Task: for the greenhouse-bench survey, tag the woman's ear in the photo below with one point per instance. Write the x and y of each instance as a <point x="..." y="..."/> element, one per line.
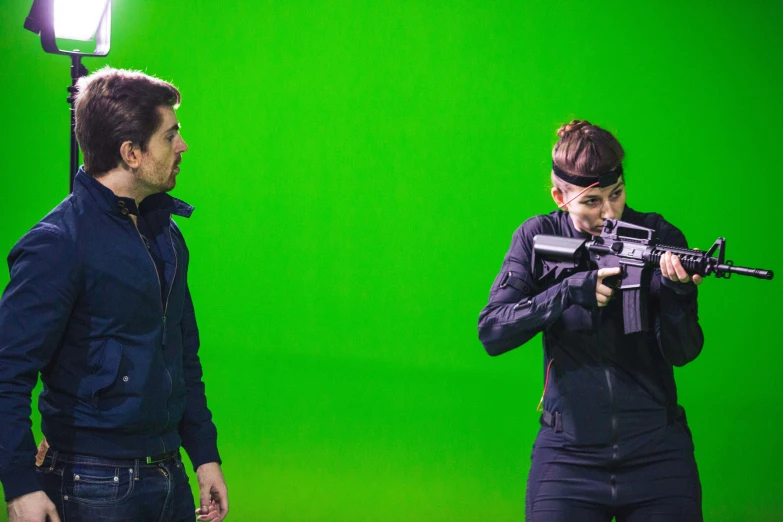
<point x="559" y="197"/>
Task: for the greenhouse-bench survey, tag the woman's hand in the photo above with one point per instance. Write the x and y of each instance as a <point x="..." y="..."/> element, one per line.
<point x="603" y="293"/>
<point x="672" y="269"/>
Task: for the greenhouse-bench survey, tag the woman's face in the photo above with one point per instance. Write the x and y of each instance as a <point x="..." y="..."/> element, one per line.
<point x="589" y="210"/>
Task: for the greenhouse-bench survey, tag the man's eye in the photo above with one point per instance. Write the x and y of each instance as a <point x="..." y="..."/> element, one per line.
<point x="591" y="202"/>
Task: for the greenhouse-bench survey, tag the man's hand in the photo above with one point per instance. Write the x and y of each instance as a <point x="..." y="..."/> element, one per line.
<point x="214" y="495"/>
<point x="603" y="293"/>
<point x="672" y="269"/>
<point x="32" y="507"/>
<point x="43" y="447"/>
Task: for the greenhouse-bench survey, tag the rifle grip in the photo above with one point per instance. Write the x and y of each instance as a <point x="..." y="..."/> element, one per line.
<point x="614" y="281"/>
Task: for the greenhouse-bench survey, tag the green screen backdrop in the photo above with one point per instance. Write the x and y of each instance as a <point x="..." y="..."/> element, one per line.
<point x="358" y="168"/>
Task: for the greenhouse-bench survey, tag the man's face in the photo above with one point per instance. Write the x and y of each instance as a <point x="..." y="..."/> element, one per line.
<point x="158" y="169"/>
<point x="589" y="210"/>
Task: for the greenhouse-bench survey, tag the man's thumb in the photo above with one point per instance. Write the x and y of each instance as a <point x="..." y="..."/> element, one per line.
<point x="52" y="514"/>
<point x="205" y="501"/>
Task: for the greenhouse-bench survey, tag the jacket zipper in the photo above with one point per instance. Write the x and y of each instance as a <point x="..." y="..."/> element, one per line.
<point x="164" y="307"/>
<point x="173" y="277"/>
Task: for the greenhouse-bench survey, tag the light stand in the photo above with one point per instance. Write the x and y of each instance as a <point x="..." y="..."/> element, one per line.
<point x="82" y="20"/>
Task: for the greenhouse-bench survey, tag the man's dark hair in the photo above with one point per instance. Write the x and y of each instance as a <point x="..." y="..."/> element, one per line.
<point x="114" y="106"/>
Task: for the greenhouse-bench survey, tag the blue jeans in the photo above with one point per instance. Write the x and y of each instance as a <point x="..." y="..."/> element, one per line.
<point x="94" y="489"/>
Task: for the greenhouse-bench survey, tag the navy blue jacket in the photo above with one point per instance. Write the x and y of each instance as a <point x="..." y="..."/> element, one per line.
<point x="606" y="386"/>
<point x="121" y="375"/>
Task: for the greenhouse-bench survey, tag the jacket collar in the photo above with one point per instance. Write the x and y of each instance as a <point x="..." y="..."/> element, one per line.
<point x="87" y="188"/>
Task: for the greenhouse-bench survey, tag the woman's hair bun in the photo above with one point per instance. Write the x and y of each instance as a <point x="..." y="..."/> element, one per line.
<point x="585" y="149"/>
<point x="574" y="126"/>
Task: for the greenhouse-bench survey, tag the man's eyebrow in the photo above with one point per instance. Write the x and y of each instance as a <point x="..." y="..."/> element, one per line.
<point x="174" y="127"/>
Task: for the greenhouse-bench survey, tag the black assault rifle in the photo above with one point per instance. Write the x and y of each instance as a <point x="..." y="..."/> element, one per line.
<point x="636" y="251"/>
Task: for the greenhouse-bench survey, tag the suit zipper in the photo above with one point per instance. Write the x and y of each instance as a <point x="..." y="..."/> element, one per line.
<point x="613" y="402"/>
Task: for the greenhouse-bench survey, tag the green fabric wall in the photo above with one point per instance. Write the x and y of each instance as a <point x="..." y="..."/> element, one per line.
<point x="358" y="168"/>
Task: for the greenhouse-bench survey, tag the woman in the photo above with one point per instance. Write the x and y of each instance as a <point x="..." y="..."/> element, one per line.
<point x="613" y="441"/>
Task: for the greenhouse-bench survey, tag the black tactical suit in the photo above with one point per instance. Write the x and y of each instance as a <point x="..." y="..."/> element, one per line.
<point x="613" y="441"/>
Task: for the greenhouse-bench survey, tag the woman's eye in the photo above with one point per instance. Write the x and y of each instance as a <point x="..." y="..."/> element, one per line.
<point x="616" y="194"/>
<point x="591" y="202"/>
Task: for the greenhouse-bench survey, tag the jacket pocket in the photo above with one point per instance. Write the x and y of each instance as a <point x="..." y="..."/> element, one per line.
<point x="107" y="371"/>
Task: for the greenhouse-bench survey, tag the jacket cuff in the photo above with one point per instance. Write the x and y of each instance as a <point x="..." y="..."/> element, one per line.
<point x="205" y="452"/>
<point x="19" y="481"/>
<point x="581" y="288"/>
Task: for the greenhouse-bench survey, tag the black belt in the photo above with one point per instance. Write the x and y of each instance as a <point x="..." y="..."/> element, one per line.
<point x="163" y="456"/>
<point x="152" y="459"/>
<point x="555" y="420"/>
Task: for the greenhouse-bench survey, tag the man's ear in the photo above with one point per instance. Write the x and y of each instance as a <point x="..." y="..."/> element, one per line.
<point x="559" y="197"/>
<point x="131" y="154"/>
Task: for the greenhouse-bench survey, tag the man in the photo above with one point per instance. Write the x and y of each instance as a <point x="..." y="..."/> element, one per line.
<point x="98" y="304"/>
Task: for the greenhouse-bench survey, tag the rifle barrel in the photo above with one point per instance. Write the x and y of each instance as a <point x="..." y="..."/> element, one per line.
<point x="759" y="273"/>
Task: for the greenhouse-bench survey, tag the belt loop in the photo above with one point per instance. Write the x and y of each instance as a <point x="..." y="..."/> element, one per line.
<point x="54" y="459"/>
<point x="553" y="420"/>
<point x="136" y="469"/>
<point x="558" y="422"/>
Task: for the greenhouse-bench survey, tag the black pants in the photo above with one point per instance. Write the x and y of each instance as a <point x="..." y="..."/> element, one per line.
<point x="659" y="482"/>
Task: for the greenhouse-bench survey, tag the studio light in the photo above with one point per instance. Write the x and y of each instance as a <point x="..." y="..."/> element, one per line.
<point x="69" y="23"/>
<point x="93" y="20"/>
